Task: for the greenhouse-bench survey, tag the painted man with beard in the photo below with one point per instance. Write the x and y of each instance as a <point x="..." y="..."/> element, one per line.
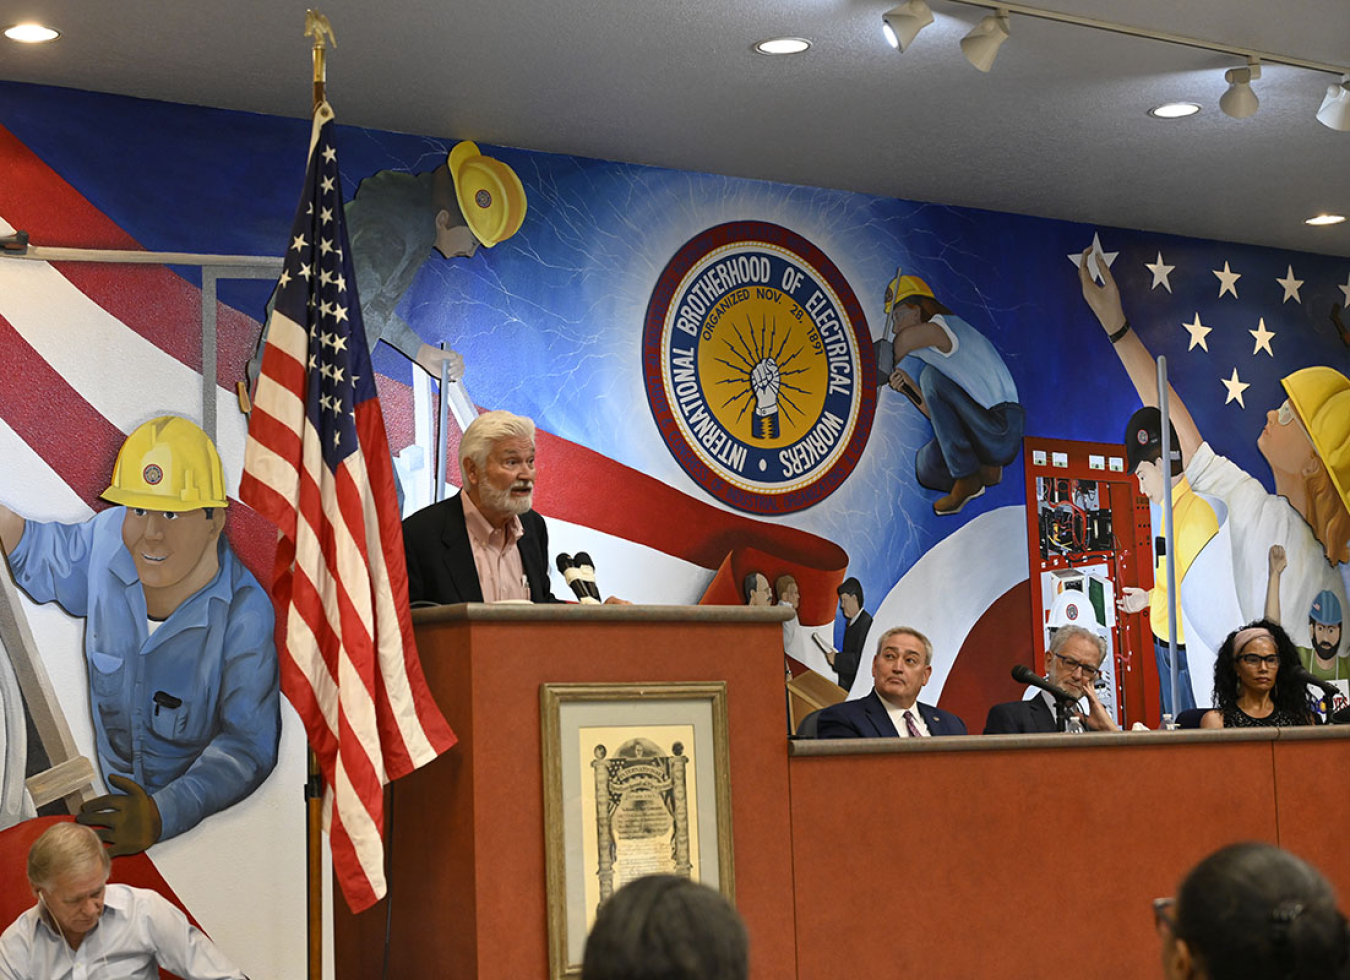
<point x="1325" y="659"/>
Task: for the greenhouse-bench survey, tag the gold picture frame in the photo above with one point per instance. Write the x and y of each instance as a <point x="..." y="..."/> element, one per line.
<point x="636" y="781"/>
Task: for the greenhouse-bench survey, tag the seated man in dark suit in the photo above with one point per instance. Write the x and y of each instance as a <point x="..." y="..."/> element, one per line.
<point x="1072" y="662"/>
<point x="901" y="667"/>
<point x="485" y="544"/>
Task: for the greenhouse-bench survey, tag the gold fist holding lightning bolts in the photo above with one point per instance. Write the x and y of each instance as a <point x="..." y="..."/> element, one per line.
<point x="765" y="382"/>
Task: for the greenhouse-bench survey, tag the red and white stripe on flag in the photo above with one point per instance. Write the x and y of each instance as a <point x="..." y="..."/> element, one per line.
<point x="317" y="465"/>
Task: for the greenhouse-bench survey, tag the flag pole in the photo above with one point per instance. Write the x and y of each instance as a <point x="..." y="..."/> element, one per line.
<point x="317" y="27"/>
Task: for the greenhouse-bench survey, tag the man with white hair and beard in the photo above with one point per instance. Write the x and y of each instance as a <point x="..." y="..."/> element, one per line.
<point x="485" y="544"/>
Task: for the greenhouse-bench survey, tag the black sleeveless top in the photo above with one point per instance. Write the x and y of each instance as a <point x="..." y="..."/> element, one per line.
<point x="1235" y="717"/>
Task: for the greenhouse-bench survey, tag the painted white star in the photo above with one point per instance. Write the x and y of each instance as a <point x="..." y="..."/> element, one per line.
<point x="314" y="362"/>
<point x="326" y="215"/>
<point x="325" y="402"/>
<point x="1160" y="273"/>
<point x="1235" y="389"/>
<point x="325" y="309"/>
<point x="326" y="339"/>
<point x="1227" y="280"/>
<point x="285" y="278"/>
<point x="339" y="313"/>
<point x="1346" y="289"/>
<point x="329" y="154"/>
<point x="339" y="343"/>
<point x="1198" y="332"/>
<point x="306" y="271"/>
<point x="1262" y="336"/>
<point x="337" y="438"/>
<point x="1290" y="286"/>
<point x="326" y="184"/>
<point x="1093" y="269"/>
<point x="337" y="375"/>
<point x="299" y="243"/>
<point x="341" y="283"/>
<point x="325" y="277"/>
<point x="335" y="403"/>
<point x="325" y="370"/>
<point x="325" y="246"/>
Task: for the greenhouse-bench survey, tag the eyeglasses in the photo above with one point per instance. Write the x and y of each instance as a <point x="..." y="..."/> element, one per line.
<point x="1256" y="660"/>
<point x="1286" y="414"/>
<point x="1072" y="666"/>
<point x="1162" y="915"/>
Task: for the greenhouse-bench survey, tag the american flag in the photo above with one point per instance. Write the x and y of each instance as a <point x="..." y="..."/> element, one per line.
<point x="317" y="465"/>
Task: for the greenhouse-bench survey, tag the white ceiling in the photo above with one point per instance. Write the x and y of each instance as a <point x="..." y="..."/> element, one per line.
<point x="1057" y="129"/>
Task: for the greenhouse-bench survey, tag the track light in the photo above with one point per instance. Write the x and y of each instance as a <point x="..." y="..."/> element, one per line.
<point x="903" y="23"/>
<point x="1335" y="111"/>
<point x="981" y="45"/>
<point x="1240" y="101"/>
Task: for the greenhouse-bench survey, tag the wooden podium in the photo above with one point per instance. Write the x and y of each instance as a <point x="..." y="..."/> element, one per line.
<point x="466" y="842"/>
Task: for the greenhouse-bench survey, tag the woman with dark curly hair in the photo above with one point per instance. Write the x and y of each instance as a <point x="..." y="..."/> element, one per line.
<point x="1253" y="912"/>
<point x="1247" y="689"/>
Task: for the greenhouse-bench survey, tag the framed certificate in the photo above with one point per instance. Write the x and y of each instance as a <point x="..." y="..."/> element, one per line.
<point x="636" y="782"/>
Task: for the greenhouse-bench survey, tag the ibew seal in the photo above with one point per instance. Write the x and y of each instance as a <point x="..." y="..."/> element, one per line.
<point x="755" y="355"/>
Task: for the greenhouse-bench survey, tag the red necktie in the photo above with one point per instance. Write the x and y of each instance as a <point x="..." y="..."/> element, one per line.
<point x="912" y="728"/>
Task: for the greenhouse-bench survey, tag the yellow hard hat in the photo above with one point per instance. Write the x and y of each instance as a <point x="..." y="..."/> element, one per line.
<point x="168" y="464"/>
<point x="902" y="288"/>
<point x="490" y="194"/>
<point x="1321" y="396"/>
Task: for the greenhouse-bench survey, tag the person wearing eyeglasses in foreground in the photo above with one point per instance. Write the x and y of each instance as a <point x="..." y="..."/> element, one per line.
<point x="82" y="926"/>
<point x="1247" y="689"/>
<point x="1072" y="662"/>
<point x="1253" y="912"/>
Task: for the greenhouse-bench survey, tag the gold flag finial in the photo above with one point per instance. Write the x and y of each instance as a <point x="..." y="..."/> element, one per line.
<point x="317" y="27"/>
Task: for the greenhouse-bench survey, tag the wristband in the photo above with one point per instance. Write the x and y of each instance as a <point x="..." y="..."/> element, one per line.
<point x="1124" y="329"/>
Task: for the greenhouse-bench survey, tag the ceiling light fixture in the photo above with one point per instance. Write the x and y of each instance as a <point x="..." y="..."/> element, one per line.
<point x="1240" y="101"/>
<point x="985" y="37"/>
<point x="781" y="45"/>
<point x="1335" y="111"/>
<point x="1174" y="110"/>
<point x="981" y="45"/>
<point x="1325" y="219"/>
<point x="902" y="24"/>
<point x="31" y="33"/>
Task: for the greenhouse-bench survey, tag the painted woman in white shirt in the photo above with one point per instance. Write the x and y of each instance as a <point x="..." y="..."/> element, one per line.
<point x="1310" y="479"/>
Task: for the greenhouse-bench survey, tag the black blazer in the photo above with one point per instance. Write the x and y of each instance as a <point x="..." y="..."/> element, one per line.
<point x="1020" y="717"/>
<point x="867" y="718"/>
<point x="440" y="558"/>
<point x="855" y="638"/>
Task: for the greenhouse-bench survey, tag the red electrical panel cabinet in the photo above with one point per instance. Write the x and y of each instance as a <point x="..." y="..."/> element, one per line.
<point x="1088" y="531"/>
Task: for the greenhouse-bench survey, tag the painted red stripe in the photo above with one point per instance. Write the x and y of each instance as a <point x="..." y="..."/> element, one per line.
<point x="36" y="199"/>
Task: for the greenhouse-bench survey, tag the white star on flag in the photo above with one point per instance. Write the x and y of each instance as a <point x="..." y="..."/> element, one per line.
<point x="1235" y="389"/>
<point x="1290" y="286"/>
<point x="1262" y="336"/>
<point x="1198" y="332"/>
<point x="1160" y="273"/>
<point x="1109" y="257"/>
<point x="1227" y="280"/>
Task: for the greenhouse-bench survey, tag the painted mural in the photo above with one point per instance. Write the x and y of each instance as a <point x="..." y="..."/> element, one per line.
<point x="745" y="392"/>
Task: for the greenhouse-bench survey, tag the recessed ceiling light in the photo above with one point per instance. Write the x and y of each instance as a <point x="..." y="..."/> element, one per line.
<point x="1174" y="110"/>
<point x="31" y="33"/>
<point x="1325" y="219"/>
<point x="782" y="45"/>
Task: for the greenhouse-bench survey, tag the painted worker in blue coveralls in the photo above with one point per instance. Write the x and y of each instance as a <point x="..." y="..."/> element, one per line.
<point x="183" y="683"/>
<point x="964" y="389"/>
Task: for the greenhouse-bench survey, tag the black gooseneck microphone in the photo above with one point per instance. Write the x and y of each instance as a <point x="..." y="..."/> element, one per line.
<point x="587" y="569"/>
<point x="1026" y="675"/>
<point x="575" y="578"/>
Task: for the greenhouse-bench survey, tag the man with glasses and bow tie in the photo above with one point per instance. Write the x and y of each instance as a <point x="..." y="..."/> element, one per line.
<point x="1072" y="663"/>
<point x="901" y="667"/>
